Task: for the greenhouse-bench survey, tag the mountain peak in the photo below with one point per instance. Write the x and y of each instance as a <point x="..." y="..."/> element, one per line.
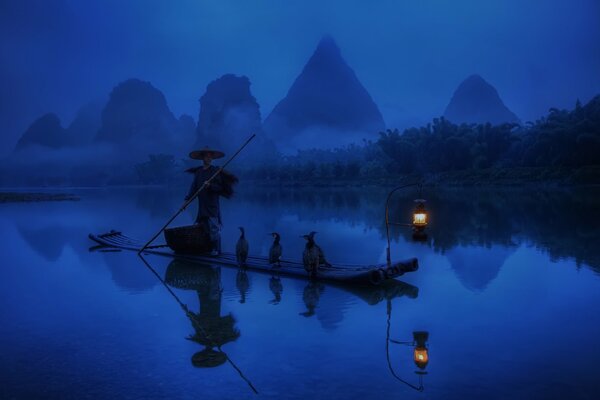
<point x="325" y="105"/>
<point x="475" y="78"/>
<point x="477" y="101"/>
<point x="328" y="45"/>
<point x="45" y="131"/>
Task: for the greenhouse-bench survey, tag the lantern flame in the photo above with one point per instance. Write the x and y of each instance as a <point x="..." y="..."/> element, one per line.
<point x="420" y="218"/>
<point x="421" y="357"/>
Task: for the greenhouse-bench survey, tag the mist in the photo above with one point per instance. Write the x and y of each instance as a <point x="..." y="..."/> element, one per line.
<point x="60" y="54"/>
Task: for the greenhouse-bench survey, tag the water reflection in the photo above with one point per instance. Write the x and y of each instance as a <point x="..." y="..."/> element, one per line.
<point x="476" y="267"/>
<point x="125" y="274"/>
<point x="475" y="229"/>
<point x="310" y="296"/>
<point x="276" y="288"/>
<point x="562" y="223"/>
<point x="51" y="241"/>
<point x="475" y="233"/>
<point x="242" y="282"/>
<point x="420" y="353"/>
<point x="211" y="329"/>
<point x="47" y="242"/>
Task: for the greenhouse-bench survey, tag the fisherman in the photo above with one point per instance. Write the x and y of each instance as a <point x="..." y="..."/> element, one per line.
<point x="209" y="210"/>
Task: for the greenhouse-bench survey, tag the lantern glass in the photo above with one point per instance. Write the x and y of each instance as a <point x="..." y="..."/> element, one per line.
<point x="420" y="218"/>
<point x="421" y="357"/>
<point x="420" y="214"/>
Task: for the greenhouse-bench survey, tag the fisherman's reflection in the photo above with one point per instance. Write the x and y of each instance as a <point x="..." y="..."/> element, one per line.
<point x="211" y="329"/>
<point x="311" y="295"/>
<point x="276" y="288"/>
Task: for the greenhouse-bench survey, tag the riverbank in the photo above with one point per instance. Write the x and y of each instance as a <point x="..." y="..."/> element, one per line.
<point x="555" y="177"/>
<point x="27" y="197"/>
<point x="492" y="177"/>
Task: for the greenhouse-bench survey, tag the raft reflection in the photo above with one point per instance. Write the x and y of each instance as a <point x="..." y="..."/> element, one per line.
<point x="214" y="330"/>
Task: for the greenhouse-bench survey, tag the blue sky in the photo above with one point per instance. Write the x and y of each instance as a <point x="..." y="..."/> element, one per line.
<point x="60" y="54"/>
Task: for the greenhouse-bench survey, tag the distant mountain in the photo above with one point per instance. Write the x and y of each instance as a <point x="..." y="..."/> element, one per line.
<point x="46" y="131"/>
<point x="228" y="115"/>
<point x="326" y="105"/>
<point x="476" y="101"/>
<point x="86" y="124"/>
<point x="138" y="118"/>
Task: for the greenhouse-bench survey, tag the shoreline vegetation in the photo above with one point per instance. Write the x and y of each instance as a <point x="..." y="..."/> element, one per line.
<point x="492" y="177"/>
<point x="514" y="177"/>
<point x="28" y="197"/>
<point x="560" y="149"/>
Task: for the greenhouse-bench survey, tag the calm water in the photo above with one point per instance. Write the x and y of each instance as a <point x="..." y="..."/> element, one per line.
<point x="508" y="290"/>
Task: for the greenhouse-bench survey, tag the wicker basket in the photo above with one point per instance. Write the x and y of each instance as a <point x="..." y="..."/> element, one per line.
<point x="192" y="239"/>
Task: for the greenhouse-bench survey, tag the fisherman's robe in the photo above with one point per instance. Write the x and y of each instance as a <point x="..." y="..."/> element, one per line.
<point x="209" y="209"/>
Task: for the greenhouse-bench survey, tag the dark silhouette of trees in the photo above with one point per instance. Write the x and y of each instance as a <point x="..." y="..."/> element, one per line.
<point x="562" y="139"/>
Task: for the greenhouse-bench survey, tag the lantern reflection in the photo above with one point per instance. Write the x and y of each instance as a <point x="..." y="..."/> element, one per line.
<point x="420" y="352"/>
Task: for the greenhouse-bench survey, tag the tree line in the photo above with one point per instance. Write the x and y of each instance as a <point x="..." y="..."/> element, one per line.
<point x="562" y="139"/>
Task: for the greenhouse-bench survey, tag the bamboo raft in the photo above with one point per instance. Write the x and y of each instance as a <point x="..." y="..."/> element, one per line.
<point x="373" y="274"/>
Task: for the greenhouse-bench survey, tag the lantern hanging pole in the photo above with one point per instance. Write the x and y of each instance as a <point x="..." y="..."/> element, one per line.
<point x="387" y="218"/>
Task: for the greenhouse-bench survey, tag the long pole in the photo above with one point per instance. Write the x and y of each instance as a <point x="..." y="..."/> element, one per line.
<point x="204" y="185"/>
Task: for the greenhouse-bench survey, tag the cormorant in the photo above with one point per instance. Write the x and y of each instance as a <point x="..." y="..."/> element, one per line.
<point x="275" y="251"/>
<point x="241" y="248"/>
<point x="322" y="260"/>
<point x="310" y="256"/>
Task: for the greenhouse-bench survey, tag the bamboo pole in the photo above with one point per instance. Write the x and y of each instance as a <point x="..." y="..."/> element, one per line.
<point x="204" y="185"/>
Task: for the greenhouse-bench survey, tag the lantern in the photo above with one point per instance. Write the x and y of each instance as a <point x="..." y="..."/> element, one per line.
<point x="420" y="214"/>
<point x="419" y="221"/>
<point x="421" y="353"/>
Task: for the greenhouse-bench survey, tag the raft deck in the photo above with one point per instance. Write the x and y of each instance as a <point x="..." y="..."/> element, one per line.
<point x="373" y="274"/>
